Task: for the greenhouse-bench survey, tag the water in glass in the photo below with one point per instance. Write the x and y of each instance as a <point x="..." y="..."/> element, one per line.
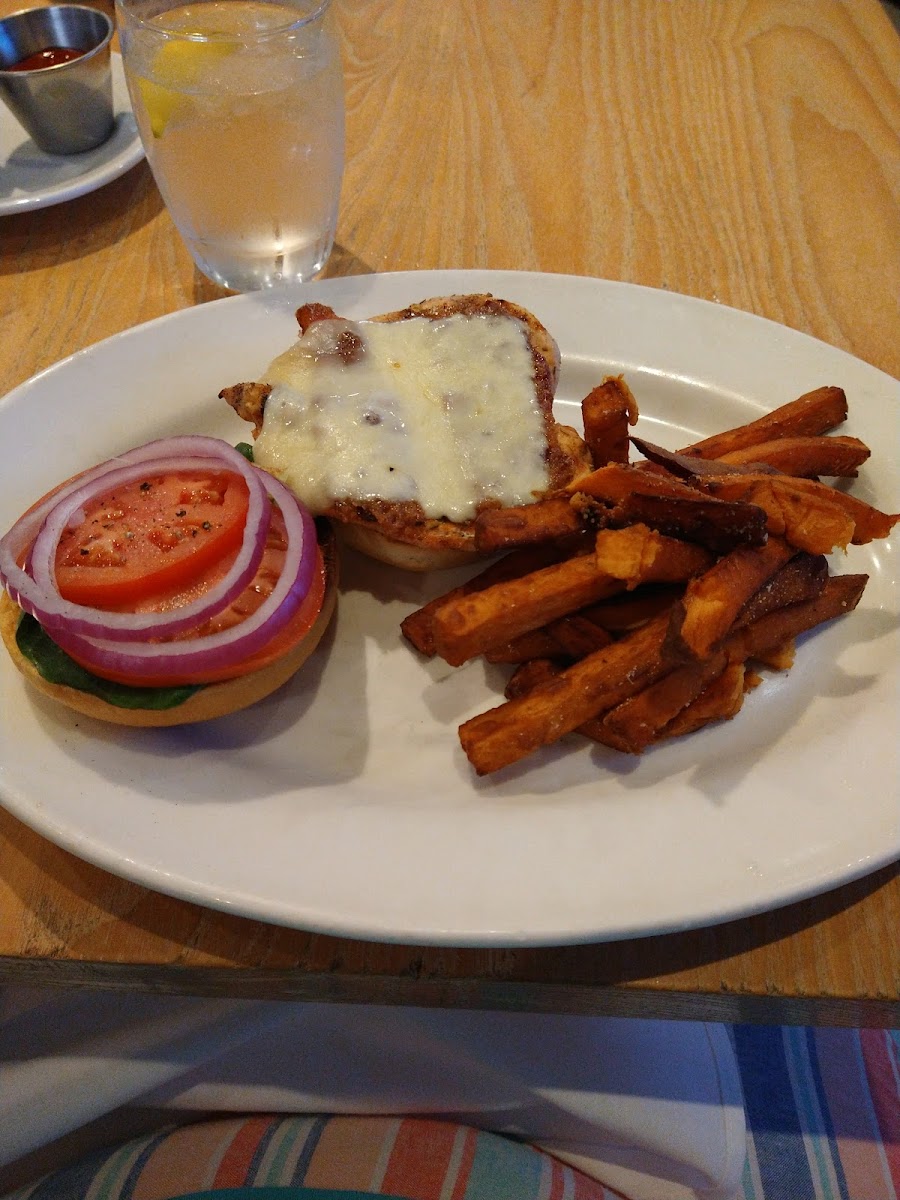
<point x="241" y="110"/>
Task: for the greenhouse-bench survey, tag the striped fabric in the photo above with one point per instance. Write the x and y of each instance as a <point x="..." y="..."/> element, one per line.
<point x="412" y="1158"/>
<point x="823" y="1113"/>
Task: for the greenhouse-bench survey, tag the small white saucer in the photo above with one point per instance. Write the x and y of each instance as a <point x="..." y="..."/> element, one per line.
<point x="31" y="179"/>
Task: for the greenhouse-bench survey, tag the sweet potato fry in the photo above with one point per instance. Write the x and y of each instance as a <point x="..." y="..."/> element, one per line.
<point x="795" y="594"/>
<point x="537" y="671"/>
<point x="508" y="733"/>
<point x="638" y="554"/>
<point x="662" y="707"/>
<point x="839" y="596"/>
<point x="779" y="658"/>
<point x="800" y="579"/>
<point x="577" y="637"/>
<point x="536" y="643"/>
<point x="596" y="731"/>
<point x="617" y="481"/>
<point x="526" y="524"/>
<point x="568" y="638"/>
<point x="623" y="612"/>
<point x="600" y="729"/>
<point x="719" y="525"/>
<point x="607" y="412"/>
<point x="719" y="701"/>
<point x="868" y="523"/>
<point x="713" y="600"/>
<point x="811" y="414"/>
<point x="578" y="695"/>
<point x="831" y="456"/>
<point x="638" y="721"/>
<point x="530" y="675"/>
<point x="687" y="466"/>
<point x="675" y="508"/>
<point x="809" y="515"/>
<point x="640" y="603"/>
<point x="469" y="624"/>
<point x="418" y="627"/>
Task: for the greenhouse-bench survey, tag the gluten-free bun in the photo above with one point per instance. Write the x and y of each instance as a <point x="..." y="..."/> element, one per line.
<point x="213" y="700"/>
<point x="399" y="532"/>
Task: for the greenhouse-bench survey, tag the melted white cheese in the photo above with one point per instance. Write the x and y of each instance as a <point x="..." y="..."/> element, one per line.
<point x="442" y="412"/>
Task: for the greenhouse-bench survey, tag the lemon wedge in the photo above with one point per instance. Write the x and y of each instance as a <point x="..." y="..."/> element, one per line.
<point x="176" y="68"/>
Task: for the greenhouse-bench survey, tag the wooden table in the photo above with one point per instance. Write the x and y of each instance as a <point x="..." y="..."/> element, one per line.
<point x="746" y="151"/>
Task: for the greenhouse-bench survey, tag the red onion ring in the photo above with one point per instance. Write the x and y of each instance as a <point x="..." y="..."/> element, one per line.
<point x="34" y="588"/>
<point x="228" y="646"/>
<point x="136" y="626"/>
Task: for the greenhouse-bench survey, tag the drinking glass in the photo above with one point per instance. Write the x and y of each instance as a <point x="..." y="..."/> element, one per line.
<point x="240" y="106"/>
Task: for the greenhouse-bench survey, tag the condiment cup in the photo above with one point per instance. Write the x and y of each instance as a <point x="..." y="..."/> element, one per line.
<point x="67" y="108"/>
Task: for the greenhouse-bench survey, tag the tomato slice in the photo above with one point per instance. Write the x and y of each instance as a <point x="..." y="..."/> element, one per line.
<point x="159" y="533"/>
<point x="243" y="606"/>
<point x="285" y="640"/>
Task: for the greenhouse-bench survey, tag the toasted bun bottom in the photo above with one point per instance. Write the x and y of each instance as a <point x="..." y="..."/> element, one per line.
<point x="214" y="700"/>
<point x="368" y="540"/>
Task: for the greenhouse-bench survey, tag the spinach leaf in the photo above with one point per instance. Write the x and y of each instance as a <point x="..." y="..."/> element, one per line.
<point x="57" y="667"/>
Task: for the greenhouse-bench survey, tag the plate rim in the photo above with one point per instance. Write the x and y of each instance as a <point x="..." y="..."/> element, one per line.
<point x="340" y="282"/>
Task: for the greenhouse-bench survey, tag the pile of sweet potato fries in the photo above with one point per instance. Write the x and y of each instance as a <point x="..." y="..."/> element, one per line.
<point x="636" y="605"/>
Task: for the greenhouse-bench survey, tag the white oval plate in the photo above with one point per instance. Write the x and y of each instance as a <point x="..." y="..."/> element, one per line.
<point x="344" y="803"/>
<point x="30" y="179"/>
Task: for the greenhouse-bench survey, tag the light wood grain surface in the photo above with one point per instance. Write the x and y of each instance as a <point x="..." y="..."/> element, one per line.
<point x="746" y="151"/>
